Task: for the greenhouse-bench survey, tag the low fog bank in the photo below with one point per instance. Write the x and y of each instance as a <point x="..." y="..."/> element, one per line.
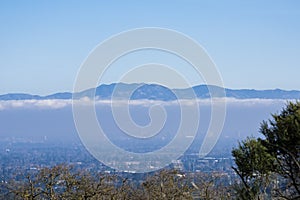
<point x="52" y="121"/>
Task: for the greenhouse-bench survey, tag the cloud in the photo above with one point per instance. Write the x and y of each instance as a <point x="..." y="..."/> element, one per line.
<point x="41" y="104"/>
<point x="59" y="103"/>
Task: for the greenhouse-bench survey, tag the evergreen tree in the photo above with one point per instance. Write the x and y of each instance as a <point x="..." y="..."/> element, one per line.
<point x="274" y="158"/>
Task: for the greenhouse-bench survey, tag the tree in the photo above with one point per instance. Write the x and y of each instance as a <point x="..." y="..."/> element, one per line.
<point x="210" y="186"/>
<point x="282" y="139"/>
<point x="167" y="185"/>
<point x="273" y="158"/>
<point x="254" y="166"/>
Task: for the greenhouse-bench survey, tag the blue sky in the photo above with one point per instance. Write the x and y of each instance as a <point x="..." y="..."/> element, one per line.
<point x="255" y="44"/>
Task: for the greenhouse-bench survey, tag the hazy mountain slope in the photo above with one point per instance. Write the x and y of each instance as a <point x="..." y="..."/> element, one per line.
<point x="158" y="92"/>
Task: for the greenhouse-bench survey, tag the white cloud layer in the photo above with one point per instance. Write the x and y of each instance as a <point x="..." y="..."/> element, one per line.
<point x="58" y="103"/>
<point x="41" y="104"/>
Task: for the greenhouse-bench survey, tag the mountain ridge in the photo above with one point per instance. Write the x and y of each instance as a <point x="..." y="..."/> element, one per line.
<point x="159" y="92"/>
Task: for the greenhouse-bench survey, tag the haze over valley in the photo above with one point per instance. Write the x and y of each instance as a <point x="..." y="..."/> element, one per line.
<point x="29" y="118"/>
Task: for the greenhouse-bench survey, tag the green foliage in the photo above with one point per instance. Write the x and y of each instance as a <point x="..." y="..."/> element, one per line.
<point x="282" y="139"/>
<point x="271" y="163"/>
<point x="252" y="159"/>
<point x="254" y="166"/>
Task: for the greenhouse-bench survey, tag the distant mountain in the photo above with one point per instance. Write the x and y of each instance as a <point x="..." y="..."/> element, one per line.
<point x="19" y="96"/>
<point x="158" y="92"/>
<point x="63" y="95"/>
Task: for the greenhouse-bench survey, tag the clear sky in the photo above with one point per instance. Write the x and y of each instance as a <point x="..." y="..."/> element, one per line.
<point x="255" y="44"/>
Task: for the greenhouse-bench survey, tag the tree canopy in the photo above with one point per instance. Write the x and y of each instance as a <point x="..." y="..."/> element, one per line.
<point x="270" y="165"/>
